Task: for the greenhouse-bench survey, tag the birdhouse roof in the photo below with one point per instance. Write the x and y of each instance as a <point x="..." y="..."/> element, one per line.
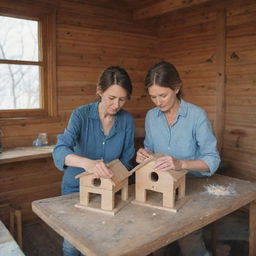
<point x="174" y="174"/>
<point x="120" y="172"/>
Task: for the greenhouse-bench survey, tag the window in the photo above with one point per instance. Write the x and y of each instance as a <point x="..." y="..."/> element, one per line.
<point x="27" y="64"/>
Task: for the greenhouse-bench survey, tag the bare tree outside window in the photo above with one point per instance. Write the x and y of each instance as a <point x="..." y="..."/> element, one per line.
<point x="20" y="75"/>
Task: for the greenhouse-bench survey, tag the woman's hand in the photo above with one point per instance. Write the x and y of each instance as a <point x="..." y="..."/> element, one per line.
<point x="99" y="169"/>
<point x="143" y="154"/>
<point x="166" y="163"/>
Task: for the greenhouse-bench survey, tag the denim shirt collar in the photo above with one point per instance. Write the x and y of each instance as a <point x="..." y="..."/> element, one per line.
<point x="94" y="114"/>
<point x="183" y="109"/>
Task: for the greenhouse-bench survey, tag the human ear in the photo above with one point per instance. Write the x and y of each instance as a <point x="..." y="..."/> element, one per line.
<point x="98" y="92"/>
<point x="177" y="89"/>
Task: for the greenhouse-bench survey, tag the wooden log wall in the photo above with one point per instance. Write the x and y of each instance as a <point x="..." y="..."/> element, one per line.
<point x="189" y="38"/>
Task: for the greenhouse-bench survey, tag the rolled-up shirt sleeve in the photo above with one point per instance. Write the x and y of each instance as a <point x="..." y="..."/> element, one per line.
<point x="207" y="145"/>
<point x="128" y="149"/>
<point x="67" y="141"/>
<point x="148" y="142"/>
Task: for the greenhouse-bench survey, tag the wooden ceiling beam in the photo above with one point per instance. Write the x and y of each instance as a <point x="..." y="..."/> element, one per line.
<point x="164" y="6"/>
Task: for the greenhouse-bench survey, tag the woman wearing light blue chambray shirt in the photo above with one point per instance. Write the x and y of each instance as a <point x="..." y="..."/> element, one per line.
<point x="183" y="133"/>
<point x="96" y="134"/>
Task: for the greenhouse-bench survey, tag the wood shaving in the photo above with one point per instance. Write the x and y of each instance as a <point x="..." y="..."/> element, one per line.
<point x="219" y="190"/>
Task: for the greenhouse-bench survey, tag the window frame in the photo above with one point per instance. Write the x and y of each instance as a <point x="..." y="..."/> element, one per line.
<point x="46" y="62"/>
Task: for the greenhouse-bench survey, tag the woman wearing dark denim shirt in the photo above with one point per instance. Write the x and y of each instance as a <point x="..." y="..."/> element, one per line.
<point x="96" y="134"/>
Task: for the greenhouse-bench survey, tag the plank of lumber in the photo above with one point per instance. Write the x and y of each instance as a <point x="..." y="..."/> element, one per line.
<point x="220" y="75"/>
<point x="25" y="153"/>
<point x="164" y="7"/>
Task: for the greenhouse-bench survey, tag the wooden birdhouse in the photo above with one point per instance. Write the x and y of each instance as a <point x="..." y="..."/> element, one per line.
<point x="106" y="188"/>
<point x="171" y="185"/>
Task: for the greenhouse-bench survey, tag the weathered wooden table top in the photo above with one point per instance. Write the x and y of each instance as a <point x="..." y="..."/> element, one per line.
<point x="138" y="230"/>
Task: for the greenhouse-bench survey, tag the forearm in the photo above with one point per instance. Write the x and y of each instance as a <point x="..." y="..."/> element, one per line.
<point x="194" y="165"/>
<point x="78" y="161"/>
<point x="97" y="167"/>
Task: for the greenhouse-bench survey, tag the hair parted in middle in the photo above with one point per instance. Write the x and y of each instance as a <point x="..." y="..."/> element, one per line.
<point x="115" y="75"/>
<point x="164" y="74"/>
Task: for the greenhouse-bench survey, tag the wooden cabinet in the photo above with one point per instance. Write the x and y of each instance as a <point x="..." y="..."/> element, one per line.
<point x="26" y="174"/>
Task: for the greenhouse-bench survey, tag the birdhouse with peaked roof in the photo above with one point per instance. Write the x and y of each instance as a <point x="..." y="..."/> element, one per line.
<point x="169" y="184"/>
<point x="106" y="188"/>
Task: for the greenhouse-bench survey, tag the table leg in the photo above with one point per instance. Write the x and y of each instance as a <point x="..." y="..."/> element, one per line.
<point x="252" y="229"/>
<point x="214" y="237"/>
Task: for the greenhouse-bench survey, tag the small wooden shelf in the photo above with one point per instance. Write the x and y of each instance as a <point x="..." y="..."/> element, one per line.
<point x="25" y="153"/>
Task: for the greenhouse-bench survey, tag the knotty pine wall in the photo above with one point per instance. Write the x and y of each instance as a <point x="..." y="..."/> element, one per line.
<point x="188" y="38"/>
<point x="239" y="147"/>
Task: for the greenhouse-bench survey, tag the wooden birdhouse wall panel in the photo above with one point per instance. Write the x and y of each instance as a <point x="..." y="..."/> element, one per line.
<point x="90" y="181"/>
<point x="147" y="178"/>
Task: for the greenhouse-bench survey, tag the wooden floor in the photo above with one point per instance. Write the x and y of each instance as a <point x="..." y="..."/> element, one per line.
<point x="41" y="240"/>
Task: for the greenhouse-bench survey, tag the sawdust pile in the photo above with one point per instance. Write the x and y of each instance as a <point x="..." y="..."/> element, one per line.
<point x="218" y="190"/>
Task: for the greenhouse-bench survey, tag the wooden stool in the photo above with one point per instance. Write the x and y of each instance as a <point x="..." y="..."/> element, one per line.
<point x="16" y="224"/>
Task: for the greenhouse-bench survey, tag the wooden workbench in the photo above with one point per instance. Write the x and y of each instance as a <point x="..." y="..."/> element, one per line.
<point x="24" y="153"/>
<point x="138" y="230"/>
<point x="8" y="246"/>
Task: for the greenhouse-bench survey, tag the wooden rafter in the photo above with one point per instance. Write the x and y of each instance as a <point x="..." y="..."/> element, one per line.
<point x="164" y="7"/>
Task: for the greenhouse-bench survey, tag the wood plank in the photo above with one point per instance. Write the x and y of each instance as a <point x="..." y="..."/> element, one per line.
<point x="25" y="153"/>
<point x="220" y="75"/>
<point x="164" y="7"/>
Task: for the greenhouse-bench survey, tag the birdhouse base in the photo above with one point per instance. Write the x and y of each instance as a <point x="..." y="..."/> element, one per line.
<point x="155" y="200"/>
<point x="95" y="204"/>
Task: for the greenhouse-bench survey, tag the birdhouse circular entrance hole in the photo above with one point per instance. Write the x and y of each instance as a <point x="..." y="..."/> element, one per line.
<point x="154" y="176"/>
<point x="96" y="182"/>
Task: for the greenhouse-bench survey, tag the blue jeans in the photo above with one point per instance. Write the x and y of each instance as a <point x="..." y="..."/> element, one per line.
<point x="70" y="250"/>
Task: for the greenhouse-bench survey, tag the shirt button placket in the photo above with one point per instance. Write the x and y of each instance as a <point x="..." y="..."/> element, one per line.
<point x="103" y="148"/>
<point x="170" y="136"/>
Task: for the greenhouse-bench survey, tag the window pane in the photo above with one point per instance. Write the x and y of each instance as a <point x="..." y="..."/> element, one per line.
<point x="18" y="39"/>
<point x="19" y="87"/>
